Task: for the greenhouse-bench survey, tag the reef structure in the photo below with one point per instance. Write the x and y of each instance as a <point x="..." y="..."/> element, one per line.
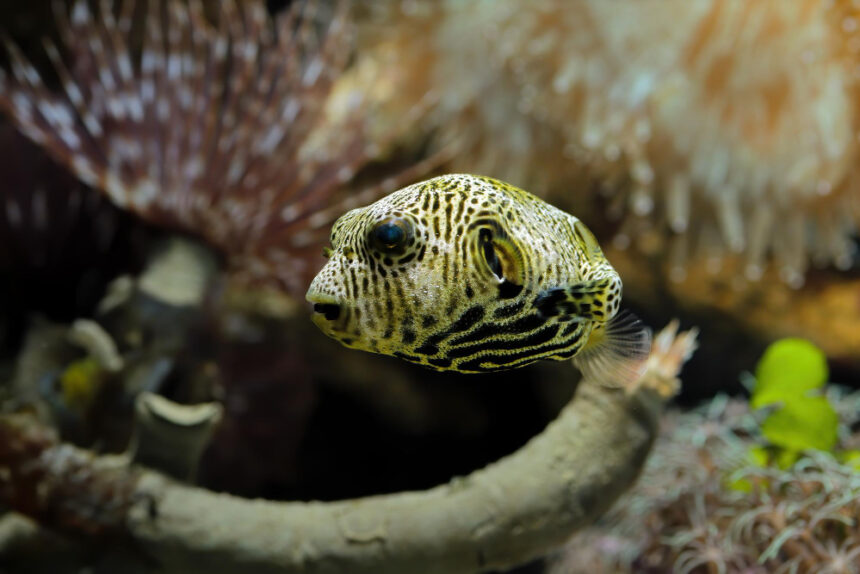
<point x="510" y="512"/>
<point x="728" y="127"/>
<point x="232" y="131"/>
<point x="687" y="513"/>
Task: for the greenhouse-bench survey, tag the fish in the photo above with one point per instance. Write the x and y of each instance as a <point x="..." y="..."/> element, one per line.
<point x="470" y="274"/>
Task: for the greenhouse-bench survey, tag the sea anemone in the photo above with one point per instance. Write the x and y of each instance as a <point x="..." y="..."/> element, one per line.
<point x="728" y="126"/>
<point x="701" y="505"/>
<point x="231" y="131"/>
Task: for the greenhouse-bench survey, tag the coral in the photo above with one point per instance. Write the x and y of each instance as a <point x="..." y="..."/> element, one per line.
<point x="727" y="126"/>
<point x="231" y="131"/>
<point x="788" y="381"/>
<point x="701" y="505"/>
<point x="57" y="483"/>
<point x="494" y="518"/>
<point x="670" y="350"/>
<point x="743" y="316"/>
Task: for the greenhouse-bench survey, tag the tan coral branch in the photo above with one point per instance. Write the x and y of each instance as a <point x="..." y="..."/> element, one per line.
<point x="515" y="509"/>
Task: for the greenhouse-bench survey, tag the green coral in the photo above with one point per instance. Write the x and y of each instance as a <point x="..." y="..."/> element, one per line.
<point x="802" y="424"/>
<point x="788" y="370"/>
<point x="789" y="379"/>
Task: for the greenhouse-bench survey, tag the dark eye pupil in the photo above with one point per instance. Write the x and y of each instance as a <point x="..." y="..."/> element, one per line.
<point x="389" y="234"/>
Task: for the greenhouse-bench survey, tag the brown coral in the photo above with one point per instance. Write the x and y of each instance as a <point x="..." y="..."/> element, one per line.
<point x="57" y="483"/>
<point x="730" y="125"/>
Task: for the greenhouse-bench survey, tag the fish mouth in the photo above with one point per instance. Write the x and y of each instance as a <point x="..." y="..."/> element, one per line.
<point x="331" y="311"/>
<point x="328" y="311"/>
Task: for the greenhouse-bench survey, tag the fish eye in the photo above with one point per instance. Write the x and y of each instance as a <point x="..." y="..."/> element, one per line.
<point x="390" y="235"/>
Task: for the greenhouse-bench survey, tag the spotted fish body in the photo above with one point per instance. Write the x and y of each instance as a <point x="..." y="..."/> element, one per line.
<point x="470" y="274"/>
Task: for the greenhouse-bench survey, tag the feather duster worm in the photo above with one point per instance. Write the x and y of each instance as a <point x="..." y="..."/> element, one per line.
<point x="730" y="125"/>
<point x="231" y="131"/>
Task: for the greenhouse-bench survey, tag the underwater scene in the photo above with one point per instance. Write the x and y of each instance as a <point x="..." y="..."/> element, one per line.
<point x="430" y="286"/>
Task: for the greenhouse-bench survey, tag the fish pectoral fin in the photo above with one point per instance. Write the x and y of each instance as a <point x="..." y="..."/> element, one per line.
<point x="587" y="301"/>
<point x="616" y="352"/>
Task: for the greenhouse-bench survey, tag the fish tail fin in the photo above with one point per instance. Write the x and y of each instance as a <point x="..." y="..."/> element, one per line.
<point x="616" y="352"/>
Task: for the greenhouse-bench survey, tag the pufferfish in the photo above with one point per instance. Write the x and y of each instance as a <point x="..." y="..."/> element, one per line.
<point x="470" y="274"/>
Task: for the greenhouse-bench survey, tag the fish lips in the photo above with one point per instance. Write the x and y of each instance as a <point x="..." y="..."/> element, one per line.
<point x="329" y="313"/>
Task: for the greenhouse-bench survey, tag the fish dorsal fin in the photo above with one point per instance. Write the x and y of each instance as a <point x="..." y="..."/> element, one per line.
<point x="616" y="352"/>
<point x="593" y="300"/>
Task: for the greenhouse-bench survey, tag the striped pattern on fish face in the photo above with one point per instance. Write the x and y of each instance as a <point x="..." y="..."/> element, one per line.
<point x="450" y="273"/>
